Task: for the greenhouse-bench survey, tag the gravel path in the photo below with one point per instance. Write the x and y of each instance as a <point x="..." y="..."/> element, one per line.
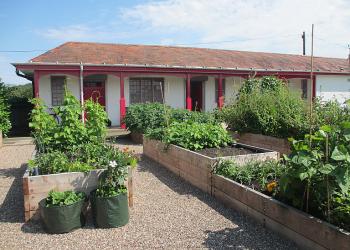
<point x="168" y="213"/>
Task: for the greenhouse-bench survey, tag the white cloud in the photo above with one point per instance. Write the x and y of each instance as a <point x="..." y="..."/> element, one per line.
<point x="82" y="32"/>
<point x="257" y="25"/>
<point x="72" y="32"/>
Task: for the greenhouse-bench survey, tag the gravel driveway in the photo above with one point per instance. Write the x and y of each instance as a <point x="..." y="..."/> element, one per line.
<point x="168" y="213"/>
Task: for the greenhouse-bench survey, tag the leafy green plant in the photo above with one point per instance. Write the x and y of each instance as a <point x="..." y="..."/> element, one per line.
<point x="262" y="176"/>
<point x="111" y="182"/>
<point x="317" y="169"/>
<point x="266" y="106"/>
<point x="57" y="199"/>
<point x="71" y="130"/>
<point x="96" y="120"/>
<point x="5" y="124"/>
<point x="196" y="136"/>
<point x="143" y="116"/>
<point x="43" y="125"/>
<point x="50" y="163"/>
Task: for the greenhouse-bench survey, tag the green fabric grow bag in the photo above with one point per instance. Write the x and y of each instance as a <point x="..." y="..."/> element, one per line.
<point x="110" y="212"/>
<point x="62" y="219"/>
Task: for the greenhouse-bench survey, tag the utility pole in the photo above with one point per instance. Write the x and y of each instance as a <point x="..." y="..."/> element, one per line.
<point x="303" y="37"/>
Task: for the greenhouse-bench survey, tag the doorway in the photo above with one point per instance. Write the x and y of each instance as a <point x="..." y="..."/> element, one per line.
<point x="96" y="91"/>
<point x="197" y="95"/>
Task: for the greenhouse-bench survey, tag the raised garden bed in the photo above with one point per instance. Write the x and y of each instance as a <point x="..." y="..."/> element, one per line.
<point x="195" y="167"/>
<point x="305" y="230"/>
<point x="263" y="141"/>
<point x="136" y="137"/>
<point x="36" y="188"/>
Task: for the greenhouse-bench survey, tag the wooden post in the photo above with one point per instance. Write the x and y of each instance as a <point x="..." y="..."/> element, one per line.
<point x="188" y="93"/>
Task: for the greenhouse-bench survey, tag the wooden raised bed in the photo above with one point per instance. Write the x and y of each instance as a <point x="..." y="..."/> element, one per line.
<point x="305" y="230"/>
<point x="36" y="188"/>
<point x="263" y="141"/>
<point x="136" y="137"/>
<point x="192" y="166"/>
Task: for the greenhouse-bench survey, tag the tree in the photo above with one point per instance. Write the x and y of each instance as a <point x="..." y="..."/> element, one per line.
<point x="5" y="123"/>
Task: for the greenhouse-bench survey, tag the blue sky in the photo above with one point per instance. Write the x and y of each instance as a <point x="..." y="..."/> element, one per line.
<point x="254" y="25"/>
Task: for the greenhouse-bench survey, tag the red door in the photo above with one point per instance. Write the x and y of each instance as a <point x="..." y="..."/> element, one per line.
<point x="197" y="95"/>
<point x="96" y="91"/>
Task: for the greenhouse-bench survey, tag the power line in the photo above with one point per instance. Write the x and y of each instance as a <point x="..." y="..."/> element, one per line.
<point x="235" y="40"/>
<point x="21" y="51"/>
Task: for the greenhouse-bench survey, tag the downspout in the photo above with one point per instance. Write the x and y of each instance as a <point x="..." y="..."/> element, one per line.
<point x="81" y="80"/>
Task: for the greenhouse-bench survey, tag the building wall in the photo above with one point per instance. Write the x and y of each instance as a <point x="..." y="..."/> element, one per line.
<point x="45" y="88"/>
<point x="333" y="87"/>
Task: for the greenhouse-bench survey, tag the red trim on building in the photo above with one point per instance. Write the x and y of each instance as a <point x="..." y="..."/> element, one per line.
<point x="122" y="101"/>
<point x="188" y="93"/>
<point x="36" y="83"/>
<point x="220" y="96"/>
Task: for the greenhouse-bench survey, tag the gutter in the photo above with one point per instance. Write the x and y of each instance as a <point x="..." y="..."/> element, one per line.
<point x="341" y="70"/>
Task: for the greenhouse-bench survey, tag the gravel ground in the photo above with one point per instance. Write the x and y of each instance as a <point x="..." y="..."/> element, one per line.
<point x="168" y="213"/>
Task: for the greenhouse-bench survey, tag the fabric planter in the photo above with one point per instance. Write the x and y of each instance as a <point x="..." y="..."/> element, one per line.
<point x="62" y="219"/>
<point x="111" y="211"/>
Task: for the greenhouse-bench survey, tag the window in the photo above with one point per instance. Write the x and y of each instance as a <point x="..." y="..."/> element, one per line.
<point x="57" y="90"/>
<point x="304" y="88"/>
<point x="217" y="89"/>
<point x="146" y="90"/>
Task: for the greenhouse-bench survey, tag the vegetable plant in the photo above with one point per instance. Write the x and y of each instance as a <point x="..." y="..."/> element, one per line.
<point x="262" y="176"/>
<point x="196" y="136"/>
<point x="66" y="198"/>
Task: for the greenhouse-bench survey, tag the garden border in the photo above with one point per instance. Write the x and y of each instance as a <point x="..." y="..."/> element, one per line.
<point x="36" y="188"/>
<point x="264" y="141"/>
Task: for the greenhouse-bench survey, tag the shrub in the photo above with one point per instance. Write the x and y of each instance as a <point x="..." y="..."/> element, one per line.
<point x="148" y="116"/>
<point x="63" y="198"/>
<point x="262" y="176"/>
<point x="268" y="107"/>
<point x="143" y="116"/>
<point x="5" y="124"/>
<point x="196" y="136"/>
<point x="329" y="113"/>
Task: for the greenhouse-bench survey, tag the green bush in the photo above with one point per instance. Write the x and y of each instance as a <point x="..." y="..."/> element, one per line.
<point x="143" y="116"/>
<point x="262" y="176"/>
<point x="63" y="198"/>
<point x="266" y="106"/>
<point x="196" y="136"/>
<point x="5" y="124"/>
<point x="329" y="113"/>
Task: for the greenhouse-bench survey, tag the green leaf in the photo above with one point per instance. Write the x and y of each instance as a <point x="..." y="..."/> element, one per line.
<point x="303" y="176"/>
<point x="326" y="169"/>
<point x="337" y="155"/>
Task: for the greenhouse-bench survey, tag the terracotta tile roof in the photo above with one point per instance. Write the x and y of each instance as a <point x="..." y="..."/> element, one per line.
<point x="99" y="53"/>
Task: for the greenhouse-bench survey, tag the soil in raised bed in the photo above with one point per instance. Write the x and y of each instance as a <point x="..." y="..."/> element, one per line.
<point x="226" y="151"/>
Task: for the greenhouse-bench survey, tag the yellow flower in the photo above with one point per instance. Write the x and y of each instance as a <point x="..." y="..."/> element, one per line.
<point x="270" y="187"/>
